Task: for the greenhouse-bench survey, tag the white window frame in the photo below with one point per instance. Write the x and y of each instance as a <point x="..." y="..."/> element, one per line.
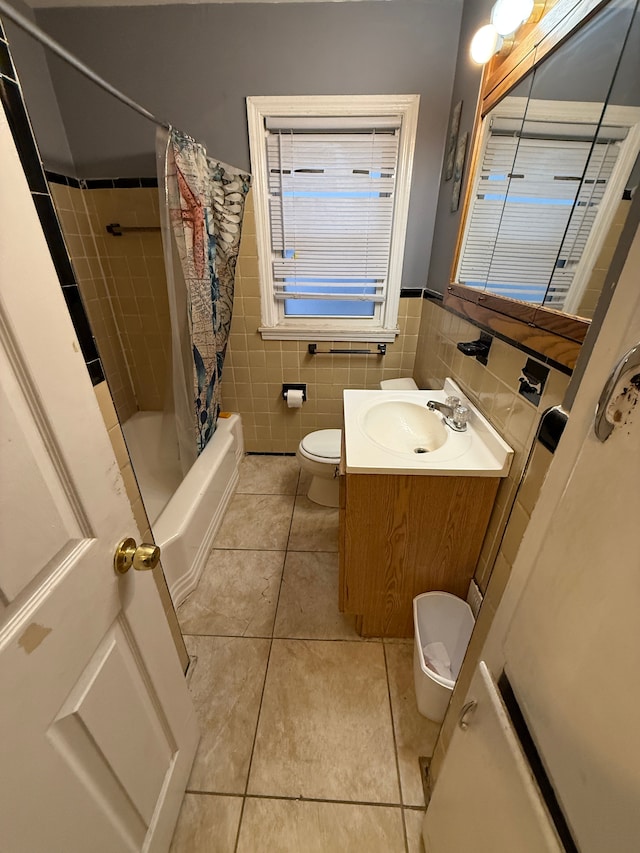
<point x="274" y="325"/>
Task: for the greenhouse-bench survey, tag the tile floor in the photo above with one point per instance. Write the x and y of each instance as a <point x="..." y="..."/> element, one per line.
<point x="310" y="735"/>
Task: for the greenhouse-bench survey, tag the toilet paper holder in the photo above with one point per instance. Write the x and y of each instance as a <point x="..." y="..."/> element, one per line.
<point x="294" y="386"/>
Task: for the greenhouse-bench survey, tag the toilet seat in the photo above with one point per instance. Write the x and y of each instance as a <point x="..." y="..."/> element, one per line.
<point x="323" y="445"/>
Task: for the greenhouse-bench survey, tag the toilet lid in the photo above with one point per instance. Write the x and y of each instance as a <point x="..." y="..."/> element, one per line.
<point x="324" y="443"/>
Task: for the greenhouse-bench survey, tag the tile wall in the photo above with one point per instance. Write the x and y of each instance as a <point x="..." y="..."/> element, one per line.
<point x="123" y="285"/>
<point x="603" y="261"/>
<point x="255" y="369"/>
<point x="494" y="389"/>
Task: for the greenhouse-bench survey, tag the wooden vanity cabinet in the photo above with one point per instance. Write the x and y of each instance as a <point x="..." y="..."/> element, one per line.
<point x="401" y="535"/>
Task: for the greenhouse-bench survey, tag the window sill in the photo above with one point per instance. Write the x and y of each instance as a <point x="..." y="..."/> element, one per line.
<point x="274" y="333"/>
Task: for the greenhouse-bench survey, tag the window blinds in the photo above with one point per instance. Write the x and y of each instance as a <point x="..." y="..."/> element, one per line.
<point x="331" y="201"/>
<point x="517" y="247"/>
<point x="591" y="193"/>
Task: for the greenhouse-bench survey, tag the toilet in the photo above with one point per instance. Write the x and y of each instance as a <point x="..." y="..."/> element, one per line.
<point x="319" y="453"/>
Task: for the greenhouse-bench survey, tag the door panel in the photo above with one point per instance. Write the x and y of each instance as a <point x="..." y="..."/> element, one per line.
<point x="36" y="491"/>
<point x="115" y="679"/>
<point x="98" y="730"/>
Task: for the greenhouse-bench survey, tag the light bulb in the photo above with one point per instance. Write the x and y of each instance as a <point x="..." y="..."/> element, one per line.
<point x="507" y="15"/>
<point x="484" y="44"/>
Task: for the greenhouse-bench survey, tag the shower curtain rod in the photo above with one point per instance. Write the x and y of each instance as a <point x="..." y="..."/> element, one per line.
<point x="39" y="35"/>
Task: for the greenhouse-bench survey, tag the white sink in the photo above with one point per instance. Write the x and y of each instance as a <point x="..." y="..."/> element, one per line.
<point x="395" y="432"/>
<point x="403" y="426"/>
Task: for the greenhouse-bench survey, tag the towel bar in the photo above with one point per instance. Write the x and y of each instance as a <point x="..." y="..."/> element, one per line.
<point x="117" y="230"/>
<point x="313" y="350"/>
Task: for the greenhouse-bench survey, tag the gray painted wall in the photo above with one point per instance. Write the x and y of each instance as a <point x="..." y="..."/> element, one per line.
<point x="466" y="87"/>
<point x="584" y="67"/>
<point x="31" y="64"/>
<point x="194" y="65"/>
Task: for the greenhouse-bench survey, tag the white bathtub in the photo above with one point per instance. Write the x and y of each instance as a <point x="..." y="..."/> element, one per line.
<point x="185" y="514"/>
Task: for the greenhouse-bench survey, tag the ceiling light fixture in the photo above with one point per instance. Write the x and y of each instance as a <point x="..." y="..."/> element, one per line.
<point x="508" y="15"/>
<point x="485" y="44"/>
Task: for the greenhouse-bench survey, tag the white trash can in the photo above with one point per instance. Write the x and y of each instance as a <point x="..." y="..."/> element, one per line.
<point x="442" y="625"/>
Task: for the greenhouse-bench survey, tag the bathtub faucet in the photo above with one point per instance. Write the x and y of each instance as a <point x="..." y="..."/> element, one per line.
<point x="454" y="414"/>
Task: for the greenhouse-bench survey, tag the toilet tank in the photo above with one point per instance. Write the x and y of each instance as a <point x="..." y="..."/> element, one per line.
<point x="404" y="384"/>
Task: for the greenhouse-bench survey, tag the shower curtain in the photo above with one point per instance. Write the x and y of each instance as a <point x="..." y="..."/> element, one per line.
<point x="202" y="206"/>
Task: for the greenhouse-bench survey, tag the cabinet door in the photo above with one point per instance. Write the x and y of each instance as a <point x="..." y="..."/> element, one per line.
<point x="342" y="581"/>
<point x="486" y="798"/>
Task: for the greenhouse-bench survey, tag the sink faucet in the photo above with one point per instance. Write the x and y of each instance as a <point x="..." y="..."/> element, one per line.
<point x="454" y="414"/>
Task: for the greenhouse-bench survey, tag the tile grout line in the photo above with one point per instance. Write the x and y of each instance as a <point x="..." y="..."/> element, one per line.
<point x="273" y="550"/>
<point x="370" y="640"/>
<point x="395" y="750"/>
<point x="301" y="799"/>
<point x="264" y="683"/>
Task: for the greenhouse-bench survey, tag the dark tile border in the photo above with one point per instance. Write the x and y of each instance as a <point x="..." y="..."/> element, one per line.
<point x="59" y="178"/>
<point x="55" y="240"/>
<point x="20" y="126"/>
<point x="100" y="183"/>
<point x="6" y="64"/>
<point x="535" y="763"/>
<point x="411" y="293"/>
<point x="266" y="453"/>
<point x="85" y="337"/>
<point x="432" y="295"/>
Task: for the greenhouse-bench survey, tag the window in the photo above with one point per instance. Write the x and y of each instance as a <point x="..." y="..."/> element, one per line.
<point x="331" y="193"/>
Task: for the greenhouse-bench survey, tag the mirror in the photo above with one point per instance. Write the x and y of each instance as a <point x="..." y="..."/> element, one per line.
<point x="556" y="167"/>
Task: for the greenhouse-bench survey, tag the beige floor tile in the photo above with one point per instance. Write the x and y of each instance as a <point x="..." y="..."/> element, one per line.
<point x="207" y="824"/>
<point x="308" y="605"/>
<point x="415" y="735"/>
<point x="291" y="826"/>
<point x="225" y="686"/>
<point x="314" y="527"/>
<point x="236" y="596"/>
<point x="325" y="726"/>
<point x="268" y="475"/>
<point x="257" y="522"/>
<point x="304" y="482"/>
<point x="413" y="822"/>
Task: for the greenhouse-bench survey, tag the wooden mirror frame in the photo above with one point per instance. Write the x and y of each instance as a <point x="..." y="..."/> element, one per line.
<point x="554" y="335"/>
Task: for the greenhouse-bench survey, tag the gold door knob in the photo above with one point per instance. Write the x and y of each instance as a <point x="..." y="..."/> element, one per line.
<point x="141" y="557"/>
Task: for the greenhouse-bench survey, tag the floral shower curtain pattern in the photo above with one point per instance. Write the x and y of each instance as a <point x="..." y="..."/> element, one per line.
<point x="206" y="206"/>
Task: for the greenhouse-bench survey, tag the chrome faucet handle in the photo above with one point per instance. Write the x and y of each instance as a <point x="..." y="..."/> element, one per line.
<point x="460" y="416"/>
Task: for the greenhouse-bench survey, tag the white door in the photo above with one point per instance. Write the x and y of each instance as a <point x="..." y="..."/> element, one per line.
<point x="570" y="643"/>
<point x="97" y="729"/>
<point x="573" y="650"/>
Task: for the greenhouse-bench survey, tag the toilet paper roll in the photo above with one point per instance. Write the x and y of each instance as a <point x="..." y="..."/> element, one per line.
<point x="294" y="398"/>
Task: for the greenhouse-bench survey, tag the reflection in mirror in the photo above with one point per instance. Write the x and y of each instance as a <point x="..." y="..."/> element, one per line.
<point x="552" y="170"/>
<point x="608" y="188"/>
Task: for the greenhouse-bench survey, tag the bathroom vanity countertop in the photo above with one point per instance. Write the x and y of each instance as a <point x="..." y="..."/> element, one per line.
<point x="384" y="440"/>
